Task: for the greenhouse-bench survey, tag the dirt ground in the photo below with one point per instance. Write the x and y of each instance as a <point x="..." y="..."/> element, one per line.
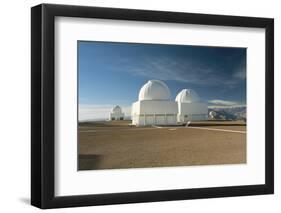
<point x="115" y="145"/>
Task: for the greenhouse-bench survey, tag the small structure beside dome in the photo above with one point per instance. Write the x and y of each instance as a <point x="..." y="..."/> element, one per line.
<point x="212" y="115"/>
<point x="190" y="108"/>
<point x="116" y="113"/>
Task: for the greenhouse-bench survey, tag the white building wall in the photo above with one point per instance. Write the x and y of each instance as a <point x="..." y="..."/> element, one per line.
<point x="116" y="116"/>
<point x="171" y="119"/>
<point x="157" y="107"/>
<point x="192" y="111"/>
<point x="153" y="112"/>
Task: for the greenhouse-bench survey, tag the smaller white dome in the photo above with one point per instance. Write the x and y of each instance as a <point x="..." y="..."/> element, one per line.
<point x="154" y="90"/>
<point x="187" y="96"/>
<point x="116" y="109"/>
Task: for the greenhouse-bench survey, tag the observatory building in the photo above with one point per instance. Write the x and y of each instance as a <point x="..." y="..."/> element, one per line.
<point x="116" y="114"/>
<point x="190" y="108"/>
<point x="154" y="106"/>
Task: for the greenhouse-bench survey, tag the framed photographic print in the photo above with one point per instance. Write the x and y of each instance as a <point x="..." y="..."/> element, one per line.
<point x="139" y="106"/>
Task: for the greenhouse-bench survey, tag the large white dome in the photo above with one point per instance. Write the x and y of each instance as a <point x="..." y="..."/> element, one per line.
<point x="116" y="109"/>
<point x="187" y="96"/>
<point x="154" y="90"/>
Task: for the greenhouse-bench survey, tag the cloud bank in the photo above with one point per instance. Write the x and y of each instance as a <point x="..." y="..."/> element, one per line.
<point x="224" y="104"/>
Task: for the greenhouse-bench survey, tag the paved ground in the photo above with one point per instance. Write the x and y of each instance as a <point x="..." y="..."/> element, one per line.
<point x="112" y="145"/>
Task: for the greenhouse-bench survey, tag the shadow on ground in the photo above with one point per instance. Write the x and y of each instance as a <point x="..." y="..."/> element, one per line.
<point x="89" y="162"/>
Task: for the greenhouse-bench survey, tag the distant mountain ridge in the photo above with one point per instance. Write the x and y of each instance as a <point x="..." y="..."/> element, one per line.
<point x="227" y="113"/>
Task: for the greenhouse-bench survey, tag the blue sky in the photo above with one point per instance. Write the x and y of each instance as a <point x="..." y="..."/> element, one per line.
<point x="113" y="73"/>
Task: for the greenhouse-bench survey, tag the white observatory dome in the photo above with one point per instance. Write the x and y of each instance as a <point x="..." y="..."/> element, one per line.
<point x="116" y="109"/>
<point x="187" y="96"/>
<point x="154" y="90"/>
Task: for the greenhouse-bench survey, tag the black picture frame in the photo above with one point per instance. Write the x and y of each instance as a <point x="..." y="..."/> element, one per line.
<point x="43" y="102"/>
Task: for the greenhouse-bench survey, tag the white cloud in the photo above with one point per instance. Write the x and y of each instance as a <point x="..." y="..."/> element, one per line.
<point x="185" y="70"/>
<point x="240" y="74"/>
<point x="226" y="107"/>
<point x="181" y="70"/>
<point x="222" y="102"/>
<point x="88" y="112"/>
